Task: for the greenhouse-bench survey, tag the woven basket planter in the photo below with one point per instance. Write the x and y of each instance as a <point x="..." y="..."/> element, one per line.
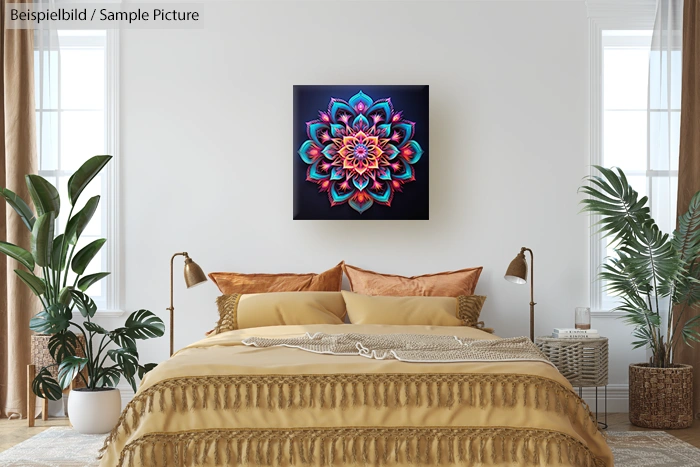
<point x="661" y="397"/>
<point x="41" y="356"/>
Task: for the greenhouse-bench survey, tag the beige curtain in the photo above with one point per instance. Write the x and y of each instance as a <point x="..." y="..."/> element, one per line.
<point x="689" y="156"/>
<point x="17" y="158"/>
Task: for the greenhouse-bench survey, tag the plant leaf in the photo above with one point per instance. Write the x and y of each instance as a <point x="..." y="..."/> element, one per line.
<point x="92" y="327"/>
<point x="85" y="304"/>
<point x="108" y="377"/>
<point x="128" y="362"/>
<point x="20" y="206"/>
<point x="143" y="369"/>
<point x="44" y="195"/>
<point x="84" y="175"/>
<point x="35" y="284"/>
<point x="63" y="344"/>
<point x="143" y="324"/>
<point x="42" y="239"/>
<point x="58" y="254"/>
<point x="76" y="224"/>
<point x="64" y="295"/>
<point x="69" y="369"/>
<point x="121" y="337"/>
<point x="18" y="253"/>
<point x="44" y="385"/>
<point x="54" y="319"/>
<point x="85" y="282"/>
<point x="82" y="259"/>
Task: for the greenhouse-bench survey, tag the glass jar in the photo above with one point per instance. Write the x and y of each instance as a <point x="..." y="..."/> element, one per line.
<point x="582" y="318"/>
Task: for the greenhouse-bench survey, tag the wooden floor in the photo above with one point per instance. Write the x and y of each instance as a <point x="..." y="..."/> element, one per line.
<point x="15" y="431"/>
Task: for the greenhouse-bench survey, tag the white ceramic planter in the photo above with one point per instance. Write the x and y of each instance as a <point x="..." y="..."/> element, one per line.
<point x="94" y="412"/>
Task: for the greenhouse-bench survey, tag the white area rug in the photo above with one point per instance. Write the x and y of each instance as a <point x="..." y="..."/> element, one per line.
<point x="64" y="447"/>
<point x="56" y="447"/>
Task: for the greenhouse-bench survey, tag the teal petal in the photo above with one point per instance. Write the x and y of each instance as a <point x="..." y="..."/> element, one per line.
<point x="337" y="106"/>
<point x="406" y="175"/>
<point x="361" y="102"/>
<point x="338" y="197"/>
<point x="337" y="173"/>
<point x="360" y="207"/>
<point x="336" y="130"/>
<point x="391" y="151"/>
<point x="314" y="174"/>
<point x="360" y="123"/>
<point x="313" y="129"/>
<point x="384" y="173"/>
<point x="384" y="129"/>
<point x="329" y="152"/>
<point x="415" y="152"/>
<point x="360" y="184"/>
<point x="384" y="197"/>
<point x="407" y="129"/>
<point x="304" y="151"/>
<point x="383" y="107"/>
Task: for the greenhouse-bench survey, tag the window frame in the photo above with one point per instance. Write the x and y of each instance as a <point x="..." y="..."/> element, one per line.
<point x="606" y="15"/>
<point x="113" y="299"/>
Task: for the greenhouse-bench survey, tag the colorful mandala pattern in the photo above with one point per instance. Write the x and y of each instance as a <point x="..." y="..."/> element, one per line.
<point x="360" y="152"/>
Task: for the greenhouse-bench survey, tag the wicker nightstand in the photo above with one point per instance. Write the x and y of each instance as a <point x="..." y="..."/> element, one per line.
<point x="584" y="362"/>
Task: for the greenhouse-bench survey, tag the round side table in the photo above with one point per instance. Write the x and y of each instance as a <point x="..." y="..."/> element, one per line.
<point x="583" y="361"/>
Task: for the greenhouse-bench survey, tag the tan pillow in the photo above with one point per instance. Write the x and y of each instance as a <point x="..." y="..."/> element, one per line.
<point x="442" y="284"/>
<point x="426" y="311"/>
<point x="235" y="282"/>
<point x="241" y="311"/>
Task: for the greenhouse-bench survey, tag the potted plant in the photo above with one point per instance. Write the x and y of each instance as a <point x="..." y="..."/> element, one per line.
<point x="54" y="272"/>
<point x="656" y="277"/>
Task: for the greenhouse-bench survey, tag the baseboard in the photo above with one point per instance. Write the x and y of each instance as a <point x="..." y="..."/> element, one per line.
<point x="126" y="392"/>
<point x="618" y="399"/>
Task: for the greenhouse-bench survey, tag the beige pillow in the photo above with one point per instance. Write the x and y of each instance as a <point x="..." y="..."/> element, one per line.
<point x="241" y="311"/>
<point x="427" y="311"/>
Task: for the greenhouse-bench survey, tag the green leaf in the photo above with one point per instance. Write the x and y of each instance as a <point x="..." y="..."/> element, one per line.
<point x="69" y="369"/>
<point x="35" y="284"/>
<point x="64" y="295"/>
<point x="44" y="195"/>
<point x="45" y="386"/>
<point x="143" y="324"/>
<point x="121" y="337"/>
<point x="108" y="377"/>
<point x="59" y="253"/>
<point x="85" y="282"/>
<point x="92" y="327"/>
<point x="82" y="259"/>
<point x="20" y="206"/>
<point x="143" y="369"/>
<point x="18" y="253"/>
<point x="52" y="320"/>
<point x="128" y="362"/>
<point x="63" y="344"/>
<point x="76" y="224"/>
<point x="85" y="304"/>
<point x="42" y="239"/>
<point x="84" y="175"/>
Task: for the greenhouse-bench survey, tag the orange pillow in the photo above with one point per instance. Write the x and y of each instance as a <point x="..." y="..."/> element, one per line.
<point x="235" y="282"/>
<point x="442" y="284"/>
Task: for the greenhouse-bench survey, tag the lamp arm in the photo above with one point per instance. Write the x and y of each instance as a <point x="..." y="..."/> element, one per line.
<point x="171" y="309"/>
<point x="532" y="292"/>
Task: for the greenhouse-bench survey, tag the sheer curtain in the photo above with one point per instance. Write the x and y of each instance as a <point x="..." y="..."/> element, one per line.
<point x="663" y="115"/>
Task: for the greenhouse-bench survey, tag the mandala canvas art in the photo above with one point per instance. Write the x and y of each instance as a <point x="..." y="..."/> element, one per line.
<point x="361" y="152"/>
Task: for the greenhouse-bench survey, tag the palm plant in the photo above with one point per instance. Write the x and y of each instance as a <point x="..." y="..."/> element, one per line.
<point x="653" y="273"/>
<point x="60" y="295"/>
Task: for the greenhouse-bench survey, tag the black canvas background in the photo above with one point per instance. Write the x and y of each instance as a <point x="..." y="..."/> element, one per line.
<point x="410" y="204"/>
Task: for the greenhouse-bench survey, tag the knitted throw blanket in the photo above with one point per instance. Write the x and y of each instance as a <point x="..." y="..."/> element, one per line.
<point x="416" y="348"/>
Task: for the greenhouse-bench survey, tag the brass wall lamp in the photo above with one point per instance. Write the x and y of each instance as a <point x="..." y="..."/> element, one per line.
<point x="193" y="276"/>
<point x="517" y="273"/>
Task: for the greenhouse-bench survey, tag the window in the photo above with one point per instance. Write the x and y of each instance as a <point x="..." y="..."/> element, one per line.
<point x="630" y="129"/>
<point x="76" y="117"/>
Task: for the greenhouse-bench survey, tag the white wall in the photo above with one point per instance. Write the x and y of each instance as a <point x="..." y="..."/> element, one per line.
<point x="206" y="149"/>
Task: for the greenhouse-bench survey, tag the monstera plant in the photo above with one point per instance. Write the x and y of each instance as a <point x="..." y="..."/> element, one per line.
<point x="55" y="272"/>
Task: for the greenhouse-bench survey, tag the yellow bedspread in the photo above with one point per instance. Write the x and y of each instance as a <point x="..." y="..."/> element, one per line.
<point x="218" y="402"/>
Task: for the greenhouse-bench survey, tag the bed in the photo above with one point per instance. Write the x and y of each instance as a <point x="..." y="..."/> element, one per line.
<point x="220" y="402"/>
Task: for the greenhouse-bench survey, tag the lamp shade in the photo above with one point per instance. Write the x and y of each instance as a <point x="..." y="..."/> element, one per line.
<point x="193" y="273"/>
<point x="517" y="270"/>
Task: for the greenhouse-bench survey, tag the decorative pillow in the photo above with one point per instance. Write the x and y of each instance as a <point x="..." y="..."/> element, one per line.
<point x="235" y="282"/>
<point x="442" y="284"/>
<point x="241" y="311"/>
<point x="428" y="311"/>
